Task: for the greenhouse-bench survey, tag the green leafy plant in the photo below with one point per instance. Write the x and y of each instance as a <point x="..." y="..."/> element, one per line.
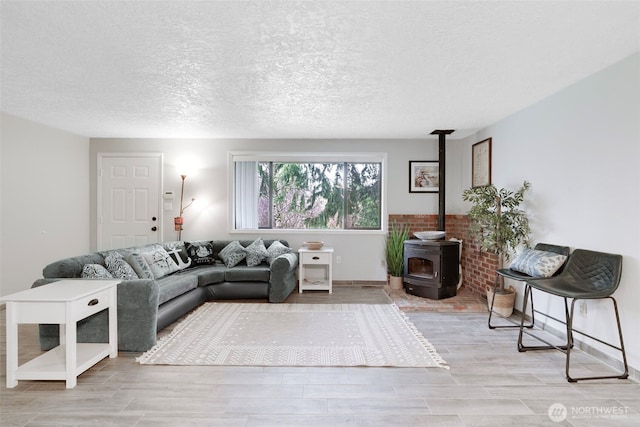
<point x="496" y="221"/>
<point x="395" y="249"/>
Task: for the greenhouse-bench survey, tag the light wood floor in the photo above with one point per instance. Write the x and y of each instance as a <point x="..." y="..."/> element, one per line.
<point x="489" y="384"/>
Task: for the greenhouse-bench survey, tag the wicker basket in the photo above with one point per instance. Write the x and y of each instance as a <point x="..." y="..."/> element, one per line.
<point x="503" y="304"/>
<point x="314" y="246"/>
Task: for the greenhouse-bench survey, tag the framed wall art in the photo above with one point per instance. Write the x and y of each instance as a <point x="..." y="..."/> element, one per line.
<point x="481" y="163"/>
<point x="424" y="176"/>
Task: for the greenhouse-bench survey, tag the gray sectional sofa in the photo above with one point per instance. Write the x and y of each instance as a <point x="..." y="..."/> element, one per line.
<point x="150" y="302"/>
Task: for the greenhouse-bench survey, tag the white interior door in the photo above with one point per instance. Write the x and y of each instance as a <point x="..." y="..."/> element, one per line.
<point x="129" y="195"/>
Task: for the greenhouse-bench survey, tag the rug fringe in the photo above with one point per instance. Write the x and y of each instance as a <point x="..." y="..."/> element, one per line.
<point x="425" y="343"/>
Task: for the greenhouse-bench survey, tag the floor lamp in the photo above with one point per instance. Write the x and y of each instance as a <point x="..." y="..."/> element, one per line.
<point x="179" y="220"/>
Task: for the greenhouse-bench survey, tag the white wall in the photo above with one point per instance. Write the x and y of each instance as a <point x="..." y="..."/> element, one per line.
<point x="45" y="199"/>
<point x="208" y="218"/>
<point x="580" y="149"/>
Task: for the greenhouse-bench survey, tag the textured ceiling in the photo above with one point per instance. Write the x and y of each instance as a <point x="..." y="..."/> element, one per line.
<point x="288" y="69"/>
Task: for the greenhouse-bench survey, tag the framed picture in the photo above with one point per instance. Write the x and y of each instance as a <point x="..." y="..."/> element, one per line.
<point x="424" y="176"/>
<point x="481" y="163"/>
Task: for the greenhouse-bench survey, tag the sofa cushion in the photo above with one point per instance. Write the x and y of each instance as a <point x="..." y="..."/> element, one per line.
<point x="209" y="274"/>
<point x="172" y="286"/>
<point x="275" y="250"/>
<point x="159" y="261"/>
<point x="95" y="271"/>
<point x="232" y="254"/>
<point x="256" y="252"/>
<point x="200" y="252"/>
<point x="243" y="273"/>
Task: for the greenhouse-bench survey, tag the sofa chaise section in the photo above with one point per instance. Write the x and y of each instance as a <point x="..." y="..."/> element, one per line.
<point x="146" y="306"/>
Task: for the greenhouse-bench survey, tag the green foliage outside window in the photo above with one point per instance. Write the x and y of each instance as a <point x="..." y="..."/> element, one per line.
<point x="320" y="195"/>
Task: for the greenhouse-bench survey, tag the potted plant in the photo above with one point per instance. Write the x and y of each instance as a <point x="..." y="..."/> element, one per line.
<point x="499" y="226"/>
<point x="395" y="254"/>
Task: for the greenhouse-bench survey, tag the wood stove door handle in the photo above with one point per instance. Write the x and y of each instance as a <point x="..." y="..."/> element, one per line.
<point x="435" y="274"/>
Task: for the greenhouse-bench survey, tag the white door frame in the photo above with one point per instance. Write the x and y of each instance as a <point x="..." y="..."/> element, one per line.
<point x="103" y="155"/>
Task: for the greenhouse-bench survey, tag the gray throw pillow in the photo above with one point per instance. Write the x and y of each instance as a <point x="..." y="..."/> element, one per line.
<point x="140" y="265"/>
<point x="232" y="254"/>
<point x="275" y="250"/>
<point x="256" y="252"/>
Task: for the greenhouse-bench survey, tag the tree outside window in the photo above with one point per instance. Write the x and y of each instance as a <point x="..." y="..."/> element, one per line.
<point x="327" y="195"/>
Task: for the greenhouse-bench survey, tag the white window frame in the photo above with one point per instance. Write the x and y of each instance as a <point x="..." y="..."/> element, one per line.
<point x="305" y="157"/>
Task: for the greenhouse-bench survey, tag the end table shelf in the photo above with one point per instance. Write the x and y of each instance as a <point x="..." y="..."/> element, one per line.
<point x="51" y="365"/>
<point x="64" y="303"/>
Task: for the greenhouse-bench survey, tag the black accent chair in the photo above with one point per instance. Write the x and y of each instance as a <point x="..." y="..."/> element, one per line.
<point x="587" y="275"/>
<point x="522" y="277"/>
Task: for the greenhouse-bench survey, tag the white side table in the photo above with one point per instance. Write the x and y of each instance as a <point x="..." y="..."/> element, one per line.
<point x="64" y="302"/>
<point x="315" y="269"/>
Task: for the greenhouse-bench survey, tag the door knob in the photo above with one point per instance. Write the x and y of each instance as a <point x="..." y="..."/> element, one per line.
<point x="153" y="218"/>
<point x="154" y="228"/>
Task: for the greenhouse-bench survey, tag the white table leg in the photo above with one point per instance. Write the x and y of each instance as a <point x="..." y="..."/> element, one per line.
<point x="12" y="345"/>
<point x="62" y="334"/>
<point x="71" y="351"/>
<point x="113" y="325"/>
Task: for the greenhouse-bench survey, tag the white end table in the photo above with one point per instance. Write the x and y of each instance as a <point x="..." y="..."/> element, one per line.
<point x="64" y="302"/>
<point x="315" y="269"/>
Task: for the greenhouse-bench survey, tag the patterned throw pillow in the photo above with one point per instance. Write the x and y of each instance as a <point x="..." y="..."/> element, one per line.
<point x="159" y="261"/>
<point x="256" y="252"/>
<point x="232" y="254"/>
<point x="178" y="253"/>
<point x="95" y="271"/>
<point x="275" y="250"/>
<point x="201" y="253"/>
<point x="537" y="263"/>
<point x="118" y="267"/>
<point x="140" y="265"/>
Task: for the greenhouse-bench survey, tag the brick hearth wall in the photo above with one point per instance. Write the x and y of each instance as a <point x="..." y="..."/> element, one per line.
<point x="478" y="269"/>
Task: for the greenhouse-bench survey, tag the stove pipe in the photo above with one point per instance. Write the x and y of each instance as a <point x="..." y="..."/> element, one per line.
<point x="442" y="134"/>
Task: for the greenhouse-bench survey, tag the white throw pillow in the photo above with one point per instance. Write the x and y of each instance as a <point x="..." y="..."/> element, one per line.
<point x="159" y="261"/>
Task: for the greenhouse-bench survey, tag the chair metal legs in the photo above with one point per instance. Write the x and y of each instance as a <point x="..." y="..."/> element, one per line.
<point x="515" y="325"/>
<point x="624" y="374"/>
<point x="570" y="330"/>
<point x="528" y="295"/>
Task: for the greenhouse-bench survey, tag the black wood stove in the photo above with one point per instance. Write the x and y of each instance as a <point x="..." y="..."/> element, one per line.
<point x="431" y="268"/>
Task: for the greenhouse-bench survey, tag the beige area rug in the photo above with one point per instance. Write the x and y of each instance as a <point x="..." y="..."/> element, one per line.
<point x="236" y="334"/>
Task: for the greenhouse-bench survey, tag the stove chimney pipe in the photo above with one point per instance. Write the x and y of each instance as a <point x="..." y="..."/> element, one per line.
<point x="442" y="134"/>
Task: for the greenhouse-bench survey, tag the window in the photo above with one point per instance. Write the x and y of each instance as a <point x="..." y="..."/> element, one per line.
<point x="308" y="193"/>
